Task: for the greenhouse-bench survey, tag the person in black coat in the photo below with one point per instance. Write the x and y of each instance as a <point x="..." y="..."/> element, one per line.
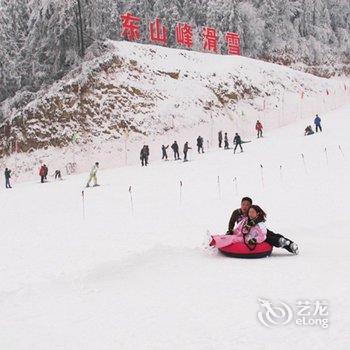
<point x="226" y="144"/>
<point x="220" y="138"/>
<point x="175" y="148"/>
<point x="238" y="142"/>
<point x="7" y="178"/>
<point x="186" y="148"/>
<point x="144" y="155"/>
<point x="200" y="144"/>
<point x="164" y="152"/>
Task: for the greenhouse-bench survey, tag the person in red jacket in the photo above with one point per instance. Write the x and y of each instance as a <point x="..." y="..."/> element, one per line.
<point x="259" y="128"/>
<point x="42" y="173"/>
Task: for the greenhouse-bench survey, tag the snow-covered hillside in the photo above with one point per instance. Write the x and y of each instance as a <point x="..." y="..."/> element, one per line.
<point x="143" y="280"/>
<point x="139" y="93"/>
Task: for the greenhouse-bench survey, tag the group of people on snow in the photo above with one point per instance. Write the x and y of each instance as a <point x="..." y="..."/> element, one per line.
<point x="247" y="224"/>
<point x="317" y="121"/>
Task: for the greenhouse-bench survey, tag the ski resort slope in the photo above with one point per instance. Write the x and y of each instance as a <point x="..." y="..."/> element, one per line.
<point x="144" y="279"/>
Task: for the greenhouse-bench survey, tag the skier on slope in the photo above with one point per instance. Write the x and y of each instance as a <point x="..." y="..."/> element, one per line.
<point x="144" y="153"/>
<point x="275" y="239"/>
<point x="175" y="148"/>
<point x="7" y="178"/>
<point x="185" y="150"/>
<point x="93" y="175"/>
<point x="164" y="152"/>
<point x="259" y="129"/>
<point x="238" y="142"/>
<point x="43" y="173"/>
<point x="317" y="122"/>
<point x="220" y="138"/>
<point x="226" y="144"/>
<point x="308" y="131"/>
<point x="200" y="144"/>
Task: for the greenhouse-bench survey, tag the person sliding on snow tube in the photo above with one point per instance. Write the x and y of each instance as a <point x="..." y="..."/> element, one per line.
<point x="248" y="238"/>
<point x="275" y="239"/>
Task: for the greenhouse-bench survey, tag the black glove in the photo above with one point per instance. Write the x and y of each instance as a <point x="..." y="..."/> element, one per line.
<point x="252" y="241"/>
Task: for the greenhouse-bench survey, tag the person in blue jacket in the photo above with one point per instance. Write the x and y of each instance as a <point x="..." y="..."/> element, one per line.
<point x="317" y="122"/>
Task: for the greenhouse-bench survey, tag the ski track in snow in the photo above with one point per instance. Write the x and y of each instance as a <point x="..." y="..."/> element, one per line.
<point x="118" y="280"/>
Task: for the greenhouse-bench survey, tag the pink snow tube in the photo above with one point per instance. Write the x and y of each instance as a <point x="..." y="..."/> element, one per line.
<point x="240" y="250"/>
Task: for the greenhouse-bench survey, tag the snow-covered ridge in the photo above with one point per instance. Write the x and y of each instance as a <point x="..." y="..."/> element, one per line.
<point x="140" y="90"/>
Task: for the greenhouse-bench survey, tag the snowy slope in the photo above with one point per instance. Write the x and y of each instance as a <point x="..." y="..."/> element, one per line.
<point x="117" y="280"/>
<point x="141" y="93"/>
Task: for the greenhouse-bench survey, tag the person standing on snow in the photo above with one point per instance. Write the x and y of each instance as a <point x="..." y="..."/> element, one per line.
<point x="7" y="178"/>
<point x="144" y="155"/>
<point x="259" y="129"/>
<point x="93" y="175"/>
<point x="220" y="138"/>
<point x="164" y="153"/>
<point x="42" y="173"/>
<point x="175" y="148"/>
<point x="238" y="142"/>
<point x="226" y="141"/>
<point x="186" y="148"/>
<point x="200" y="144"/>
<point x="317" y="122"/>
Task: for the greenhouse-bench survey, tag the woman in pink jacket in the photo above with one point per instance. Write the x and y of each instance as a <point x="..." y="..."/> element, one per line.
<point x="250" y="230"/>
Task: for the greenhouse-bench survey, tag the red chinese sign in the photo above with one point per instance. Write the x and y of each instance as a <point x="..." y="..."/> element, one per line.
<point x="233" y="43"/>
<point x="184" y="35"/>
<point x="130" y="26"/>
<point x="210" y="39"/>
<point x="158" y="34"/>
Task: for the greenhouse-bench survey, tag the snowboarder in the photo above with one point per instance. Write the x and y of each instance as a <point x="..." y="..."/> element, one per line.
<point x="317" y="122"/>
<point x="175" y="148"/>
<point x="226" y="144"/>
<point x="164" y="153"/>
<point x="7" y="178"/>
<point x="43" y="173"/>
<point x="144" y="155"/>
<point x="275" y="239"/>
<point x="220" y="138"/>
<point x="308" y="131"/>
<point x="259" y="129"/>
<point x="238" y="142"/>
<point x="200" y="144"/>
<point x="186" y="148"/>
<point x="93" y="175"/>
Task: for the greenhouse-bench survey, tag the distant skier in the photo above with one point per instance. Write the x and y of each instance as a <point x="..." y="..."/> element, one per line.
<point x="46" y="171"/>
<point x="317" y="122"/>
<point x="226" y="141"/>
<point x="144" y="155"/>
<point x="259" y="129"/>
<point x="43" y="173"/>
<point x="93" y="175"/>
<point x="175" y="148"/>
<point x="58" y="175"/>
<point x="186" y="148"/>
<point x="200" y="144"/>
<point x="164" y="152"/>
<point x="7" y="178"/>
<point x="238" y="142"/>
<point x="220" y="138"/>
<point x="308" y="131"/>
